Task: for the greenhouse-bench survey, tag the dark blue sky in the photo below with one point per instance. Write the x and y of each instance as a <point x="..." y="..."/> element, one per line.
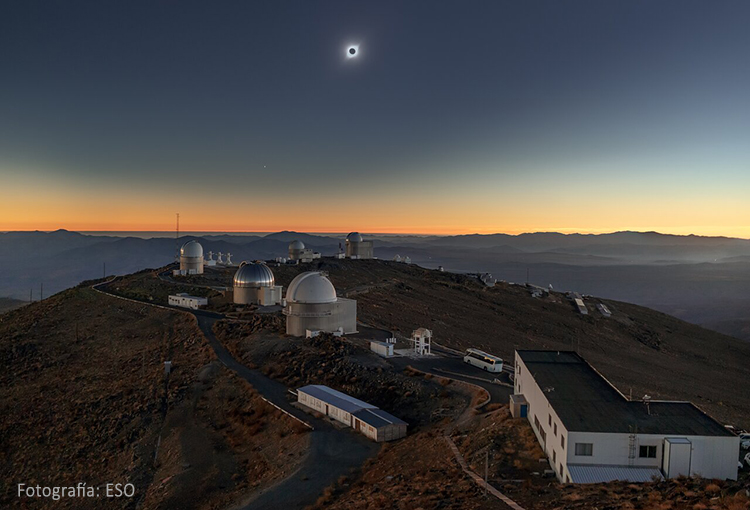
<point x="474" y="101"/>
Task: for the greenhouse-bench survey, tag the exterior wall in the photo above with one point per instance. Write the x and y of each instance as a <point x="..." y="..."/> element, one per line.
<point x="304" y="255"/>
<point x="265" y="296"/>
<point x="188" y="264"/>
<point x="361" y="250"/>
<point x="385" y="350"/>
<point x="326" y="317"/>
<point x="191" y="302"/>
<point x="711" y="456"/>
<point x="385" y="433"/>
<point x="551" y="431"/>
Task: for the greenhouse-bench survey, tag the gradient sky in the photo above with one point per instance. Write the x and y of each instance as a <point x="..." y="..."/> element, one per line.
<point x="480" y="116"/>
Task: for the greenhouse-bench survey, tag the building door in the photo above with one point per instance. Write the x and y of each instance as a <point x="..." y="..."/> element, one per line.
<point x="677" y="457"/>
<point x="524" y="410"/>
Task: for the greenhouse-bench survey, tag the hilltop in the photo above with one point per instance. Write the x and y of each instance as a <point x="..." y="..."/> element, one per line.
<point x="640" y="350"/>
<point x="85" y="399"/>
<point x="216" y="442"/>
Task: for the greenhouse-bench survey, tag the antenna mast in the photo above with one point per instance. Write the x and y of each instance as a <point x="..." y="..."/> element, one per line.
<point x="177" y="240"/>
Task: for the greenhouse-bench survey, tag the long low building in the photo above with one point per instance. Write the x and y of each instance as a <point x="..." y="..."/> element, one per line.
<point x="592" y="433"/>
<point x="187" y="301"/>
<point x="361" y="416"/>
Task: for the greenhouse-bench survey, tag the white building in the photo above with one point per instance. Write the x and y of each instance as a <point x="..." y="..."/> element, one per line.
<point x="383" y="349"/>
<point x="361" y="416"/>
<point x="297" y="251"/>
<point x="187" y="301"/>
<point x="191" y="258"/>
<point x="312" y="304"/>
<point x="592" y="433"/>
<point x="254" y="283"/>
<point x="358" y="248"/>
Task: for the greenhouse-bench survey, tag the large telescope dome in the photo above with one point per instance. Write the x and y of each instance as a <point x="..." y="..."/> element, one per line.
<point x="296" y="245"/>
<point x="354" y="237"/>
<point x="192" y="249"/>
<point x="254" y="274"/>
<point x="311" y="287"/>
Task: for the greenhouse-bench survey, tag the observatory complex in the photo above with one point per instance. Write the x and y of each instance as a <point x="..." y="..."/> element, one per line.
<point x="297" y="251"/>
<point x="312" y="305"/>
<point x="254" y="283"/>
<point x="358" y="248"/>
<point x="191" y="258"/>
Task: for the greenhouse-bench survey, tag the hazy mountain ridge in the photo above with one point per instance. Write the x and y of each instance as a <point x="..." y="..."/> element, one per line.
<point x="704" y="280"/>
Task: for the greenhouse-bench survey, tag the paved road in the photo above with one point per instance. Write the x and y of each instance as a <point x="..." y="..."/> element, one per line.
<point x="456" y="365"/>
<point x="332" y="452"/>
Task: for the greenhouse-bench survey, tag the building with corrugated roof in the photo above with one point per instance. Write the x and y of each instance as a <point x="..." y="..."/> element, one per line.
<point x="365" y="418"/>
<point x="592" y="433"/>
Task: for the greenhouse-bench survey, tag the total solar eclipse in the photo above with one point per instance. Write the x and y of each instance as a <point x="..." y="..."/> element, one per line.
<point x="352" y="51"/>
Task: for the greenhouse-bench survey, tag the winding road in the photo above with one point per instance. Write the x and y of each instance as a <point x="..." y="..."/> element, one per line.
<point x="332" y="452"/>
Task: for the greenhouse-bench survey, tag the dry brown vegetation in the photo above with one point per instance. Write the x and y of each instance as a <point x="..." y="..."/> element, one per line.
<point x="417" y="472"/>
<point x="516" y="470"/>
<point x="84" y="400"/>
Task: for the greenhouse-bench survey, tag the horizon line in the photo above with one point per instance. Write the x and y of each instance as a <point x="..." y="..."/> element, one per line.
<point x="384" y="233"/>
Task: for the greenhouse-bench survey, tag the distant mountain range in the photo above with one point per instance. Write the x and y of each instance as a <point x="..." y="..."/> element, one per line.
<point x="704" y="280"/>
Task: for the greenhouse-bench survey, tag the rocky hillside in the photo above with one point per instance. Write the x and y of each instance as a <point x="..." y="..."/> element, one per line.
<point x="640" y="350"/>
<point x="85" y="399"/>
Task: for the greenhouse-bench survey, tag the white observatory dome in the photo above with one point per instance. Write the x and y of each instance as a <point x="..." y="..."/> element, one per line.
<point x="354" y="237"/>
<point x="311" y="287"/>
<point x="296" y="245"/>
<point x="191" y="249"/>
<point x="254" y="274"/>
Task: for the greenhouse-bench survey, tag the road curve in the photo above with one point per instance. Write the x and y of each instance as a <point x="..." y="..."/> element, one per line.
<point x="332" y="452"/>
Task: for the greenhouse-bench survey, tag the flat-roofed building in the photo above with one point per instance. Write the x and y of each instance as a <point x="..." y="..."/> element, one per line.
<point x="187" y="301"/>
<point x="592" y="433"/>
<point x="361" y="416"/>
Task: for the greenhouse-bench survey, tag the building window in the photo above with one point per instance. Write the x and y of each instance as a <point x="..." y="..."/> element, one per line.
<point x="554" y="456"/>
<point x="562" y="441"/>
<point x="549" y="420"/>
<point x="555" y="430"/>
<point x="647" y="452"/>
<point x="584" y="449"/>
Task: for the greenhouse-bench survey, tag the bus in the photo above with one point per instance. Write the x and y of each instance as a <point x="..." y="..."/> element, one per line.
<point x="483" y="360"/>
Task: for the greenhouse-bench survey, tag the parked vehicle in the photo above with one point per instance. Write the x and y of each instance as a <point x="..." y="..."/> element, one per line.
<point x="745" y="441"/>
<point x="747" y="460"/>
<point x="483" y="360"/>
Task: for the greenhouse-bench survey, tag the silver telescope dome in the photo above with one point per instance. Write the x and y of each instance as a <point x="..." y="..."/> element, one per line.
<point x="354" y="237"/>
<point x="254" y="274"/>
<point x="296" y="245"/>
